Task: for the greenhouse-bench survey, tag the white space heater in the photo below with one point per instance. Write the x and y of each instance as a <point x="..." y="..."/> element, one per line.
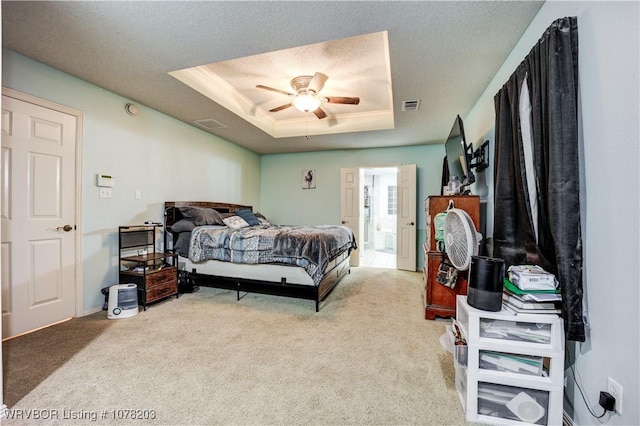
<point x="123" y="301"/>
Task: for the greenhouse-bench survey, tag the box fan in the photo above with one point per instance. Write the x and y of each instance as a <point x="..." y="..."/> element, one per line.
<point x="461" y="239"/>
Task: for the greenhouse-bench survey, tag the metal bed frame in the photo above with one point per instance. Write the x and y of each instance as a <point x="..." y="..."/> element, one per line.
<point x="316" y="293"/>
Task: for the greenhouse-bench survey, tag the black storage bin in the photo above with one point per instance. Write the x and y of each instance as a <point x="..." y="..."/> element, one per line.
<point x="486" y="276"/>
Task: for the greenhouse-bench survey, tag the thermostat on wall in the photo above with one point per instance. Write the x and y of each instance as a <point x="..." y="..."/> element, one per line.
<point x="106" y="180"/>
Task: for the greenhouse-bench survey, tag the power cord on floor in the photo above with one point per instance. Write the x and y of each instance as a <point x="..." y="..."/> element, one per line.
<point x="575" y="380"/>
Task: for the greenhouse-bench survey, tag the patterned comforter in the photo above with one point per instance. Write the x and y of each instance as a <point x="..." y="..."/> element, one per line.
<point x="310" y="247"/>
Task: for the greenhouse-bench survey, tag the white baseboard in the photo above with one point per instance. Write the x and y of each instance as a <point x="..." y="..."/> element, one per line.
<point x="92" y="311"/>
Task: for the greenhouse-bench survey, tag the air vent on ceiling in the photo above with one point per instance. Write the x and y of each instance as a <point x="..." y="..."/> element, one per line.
<point x="210" y="124"/>
<point x="412" y="105"/>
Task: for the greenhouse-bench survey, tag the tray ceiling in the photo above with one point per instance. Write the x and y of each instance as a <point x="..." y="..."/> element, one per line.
<point x="442" y="54"/>
<point x="356" y="66"/>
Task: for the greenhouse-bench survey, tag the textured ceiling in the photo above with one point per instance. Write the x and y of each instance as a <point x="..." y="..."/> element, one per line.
<point x="232" y="84"/>
<point x="443" y="53"/>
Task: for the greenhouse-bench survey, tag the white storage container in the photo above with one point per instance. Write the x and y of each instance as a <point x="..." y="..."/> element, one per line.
<point x="514" y="369"/>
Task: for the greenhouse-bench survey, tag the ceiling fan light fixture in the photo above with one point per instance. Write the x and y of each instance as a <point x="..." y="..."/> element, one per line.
<point x="306" y="101"/>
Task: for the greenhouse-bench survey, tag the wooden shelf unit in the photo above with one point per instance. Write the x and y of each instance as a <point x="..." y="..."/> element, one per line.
<point x="154" y="273"/>
<point x="440" y="301"/>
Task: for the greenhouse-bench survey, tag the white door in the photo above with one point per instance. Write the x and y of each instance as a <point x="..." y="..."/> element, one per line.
<point x="406" y="219"/>
<point x="350" y="206"/>
<point x="38" y="209"/>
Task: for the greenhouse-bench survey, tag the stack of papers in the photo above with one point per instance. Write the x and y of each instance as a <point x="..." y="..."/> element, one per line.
<point x="531" y="277"/>
<point x="523" y="302"/>
<point x="523" y="364"/>
<point x="527" y="332"/>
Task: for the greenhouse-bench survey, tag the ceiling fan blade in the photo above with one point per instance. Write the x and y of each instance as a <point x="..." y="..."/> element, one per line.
<point x="280" y="108"/>
<point x="319" y="113"/>
<point x="342" y="100"/>
<point x="260" y="86"/>
<point x="317" y="82"/>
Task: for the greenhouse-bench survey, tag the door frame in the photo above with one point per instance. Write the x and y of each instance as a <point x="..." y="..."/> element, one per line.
<point x="24" y="97"/>
<point x="360" y="171"/>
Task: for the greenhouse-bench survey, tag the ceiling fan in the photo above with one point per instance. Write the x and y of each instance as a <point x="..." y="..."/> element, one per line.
<point x="306" y="95"/>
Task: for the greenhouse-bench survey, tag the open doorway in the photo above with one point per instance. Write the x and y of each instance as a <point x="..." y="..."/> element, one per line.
<point x="379" y="195"/>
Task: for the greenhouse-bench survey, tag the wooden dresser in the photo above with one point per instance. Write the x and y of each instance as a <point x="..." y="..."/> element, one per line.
<point x="440" y="301"/>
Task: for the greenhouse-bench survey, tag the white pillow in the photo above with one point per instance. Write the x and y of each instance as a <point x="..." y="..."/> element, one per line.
<point x="235" y="222"/>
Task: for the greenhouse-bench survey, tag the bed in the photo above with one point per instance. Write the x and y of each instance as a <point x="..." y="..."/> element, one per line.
<point x="229" y="246"/>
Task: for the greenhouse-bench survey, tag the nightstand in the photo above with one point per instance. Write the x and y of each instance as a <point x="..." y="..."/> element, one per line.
<point x="155" y="273"/>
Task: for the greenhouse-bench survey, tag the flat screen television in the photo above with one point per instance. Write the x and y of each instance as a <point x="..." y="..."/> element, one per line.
<point x="458" y="158"/>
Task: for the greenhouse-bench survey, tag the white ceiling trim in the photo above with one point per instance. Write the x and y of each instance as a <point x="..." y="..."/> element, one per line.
<point x="345" y="123"/>
<point x="225" y="87"/>
<point x="205" y="81"/>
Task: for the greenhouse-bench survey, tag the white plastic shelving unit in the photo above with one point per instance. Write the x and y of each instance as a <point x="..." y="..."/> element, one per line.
<point x="525" y="391"/>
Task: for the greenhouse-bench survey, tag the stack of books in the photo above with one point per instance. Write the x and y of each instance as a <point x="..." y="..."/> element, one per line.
<point x="524" y="302"/>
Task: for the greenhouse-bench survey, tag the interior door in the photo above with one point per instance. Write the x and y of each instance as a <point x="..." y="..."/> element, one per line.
<point x="350" y="206"/>
<point x="38" y="209"/>
<point x="406" y="219"/>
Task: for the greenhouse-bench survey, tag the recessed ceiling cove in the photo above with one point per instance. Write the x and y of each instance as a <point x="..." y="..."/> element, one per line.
<point x="354" y="92"/>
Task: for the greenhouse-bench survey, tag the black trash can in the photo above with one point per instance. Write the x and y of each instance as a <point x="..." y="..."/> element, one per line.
<point x="486" y="279"/>
<point x="105" y="293"/>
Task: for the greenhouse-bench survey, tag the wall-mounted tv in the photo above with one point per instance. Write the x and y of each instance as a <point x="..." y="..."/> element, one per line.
<point x="458" y="159"/>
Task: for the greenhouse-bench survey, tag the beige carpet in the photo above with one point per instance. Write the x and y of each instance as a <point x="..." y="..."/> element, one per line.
<point x="368" y="357"/>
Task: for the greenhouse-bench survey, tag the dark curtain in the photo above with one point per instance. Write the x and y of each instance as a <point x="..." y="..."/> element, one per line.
<point x="551" y="73"/>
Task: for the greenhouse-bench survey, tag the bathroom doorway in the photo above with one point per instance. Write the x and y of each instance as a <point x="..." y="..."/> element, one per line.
<point x="379" y="189"/>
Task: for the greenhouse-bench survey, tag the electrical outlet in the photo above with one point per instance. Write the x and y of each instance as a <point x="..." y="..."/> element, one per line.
<point x="615" y="389"/>
<point x="105" y="192"/>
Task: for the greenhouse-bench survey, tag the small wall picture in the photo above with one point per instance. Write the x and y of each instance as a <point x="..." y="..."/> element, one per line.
<point x="308" y="179"/>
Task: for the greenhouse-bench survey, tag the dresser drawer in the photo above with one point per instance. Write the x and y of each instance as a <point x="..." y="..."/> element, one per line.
<point x="161" y="277"/>
<point x="160" y="291"/>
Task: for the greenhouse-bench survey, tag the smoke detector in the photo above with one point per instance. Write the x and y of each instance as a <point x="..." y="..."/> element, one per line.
<point x="131" y="109"/>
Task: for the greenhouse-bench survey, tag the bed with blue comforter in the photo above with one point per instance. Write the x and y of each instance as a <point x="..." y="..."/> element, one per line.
<point x="205" y="232"/>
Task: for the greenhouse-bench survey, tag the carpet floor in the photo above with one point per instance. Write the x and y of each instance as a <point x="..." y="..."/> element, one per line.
<point x="368" y="357"/>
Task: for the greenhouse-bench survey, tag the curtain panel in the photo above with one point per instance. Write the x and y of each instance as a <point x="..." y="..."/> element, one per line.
<point x="539" y="222"/>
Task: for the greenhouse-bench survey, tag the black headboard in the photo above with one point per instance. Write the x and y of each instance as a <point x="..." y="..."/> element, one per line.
<point x="172" y="212"/>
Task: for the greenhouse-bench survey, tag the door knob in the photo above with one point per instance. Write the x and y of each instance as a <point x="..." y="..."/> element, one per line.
<point x="65" y="228"/>
<point x="344" y="221"/>
<point x="411" y="223"/>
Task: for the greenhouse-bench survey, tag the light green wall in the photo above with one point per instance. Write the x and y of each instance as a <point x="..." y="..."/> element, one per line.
<point x="608" y="67"/>
<point x="284" y="201"/>
<point x="158" y="155"/>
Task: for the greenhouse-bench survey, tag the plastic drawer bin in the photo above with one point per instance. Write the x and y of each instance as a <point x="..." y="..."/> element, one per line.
<point x="460" y="351"/>
<point x="461" y="383"/>
<point x="529" y="365"/>
<point x="511" y="402"/>
<point x="537" y="333"/>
